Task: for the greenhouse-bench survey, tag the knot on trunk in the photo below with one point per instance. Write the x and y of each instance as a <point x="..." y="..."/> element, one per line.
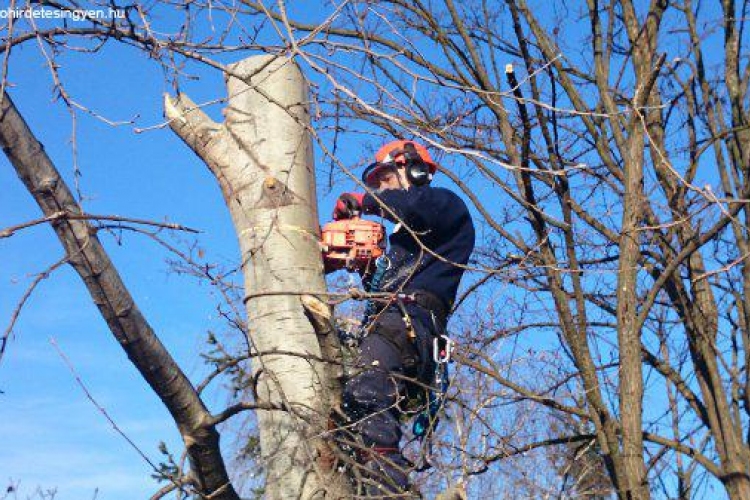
<point x="276" y="193"/>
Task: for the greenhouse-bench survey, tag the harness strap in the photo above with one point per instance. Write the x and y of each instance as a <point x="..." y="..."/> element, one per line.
<point x="410" y="331"/>
<point x="429" y="301"/>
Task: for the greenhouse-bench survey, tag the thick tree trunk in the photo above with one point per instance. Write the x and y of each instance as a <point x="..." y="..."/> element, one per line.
<point x="262" y="157"/>
<point x="87" y="256"/>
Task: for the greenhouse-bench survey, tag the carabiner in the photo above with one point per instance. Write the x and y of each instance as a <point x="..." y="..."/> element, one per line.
<point x="442" y="356"/>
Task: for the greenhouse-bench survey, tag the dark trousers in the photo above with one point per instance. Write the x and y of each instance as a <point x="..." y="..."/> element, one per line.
<point x="390" y="364"/>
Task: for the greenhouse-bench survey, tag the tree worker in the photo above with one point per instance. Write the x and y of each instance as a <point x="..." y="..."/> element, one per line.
<point x="429" y="248"/>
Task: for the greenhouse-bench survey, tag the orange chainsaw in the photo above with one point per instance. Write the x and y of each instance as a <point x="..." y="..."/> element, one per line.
<point x="352" y="244"/>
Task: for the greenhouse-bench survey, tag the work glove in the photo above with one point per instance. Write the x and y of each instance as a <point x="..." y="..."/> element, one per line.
<point x="348" y="205"/>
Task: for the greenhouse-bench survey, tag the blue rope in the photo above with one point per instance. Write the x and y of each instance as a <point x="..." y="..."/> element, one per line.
<point x="381" y="266"/>
<point x="427" y="420"/>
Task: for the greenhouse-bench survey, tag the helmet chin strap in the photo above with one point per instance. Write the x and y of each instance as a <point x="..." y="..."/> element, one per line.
<point x="403" y="179"/>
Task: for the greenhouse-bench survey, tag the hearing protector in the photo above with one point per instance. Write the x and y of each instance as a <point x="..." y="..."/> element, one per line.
<point x="417" y="171"/>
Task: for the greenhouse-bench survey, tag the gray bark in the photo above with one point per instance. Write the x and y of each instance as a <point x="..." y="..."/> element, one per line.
<point x="87" y="256"/>
<point x="262" y="158"/>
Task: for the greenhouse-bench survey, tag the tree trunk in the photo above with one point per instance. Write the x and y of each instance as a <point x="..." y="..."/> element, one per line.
<point x="634" y="485"/>
<point x="262" y="158"/>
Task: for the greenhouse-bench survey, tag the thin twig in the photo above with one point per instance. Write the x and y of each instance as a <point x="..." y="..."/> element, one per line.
<point x="62" y="215"/>
<point x="100" y="407"/>
<point x="21" y="303"/>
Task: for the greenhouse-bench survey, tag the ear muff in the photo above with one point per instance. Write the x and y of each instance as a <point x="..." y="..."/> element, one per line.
<point x="417" y="171"/>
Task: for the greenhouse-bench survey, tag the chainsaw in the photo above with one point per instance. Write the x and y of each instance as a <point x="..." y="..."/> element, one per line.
<point x="352" y="244"/>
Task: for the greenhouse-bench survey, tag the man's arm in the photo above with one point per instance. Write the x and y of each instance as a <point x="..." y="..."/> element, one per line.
<point x="420" y="208"/>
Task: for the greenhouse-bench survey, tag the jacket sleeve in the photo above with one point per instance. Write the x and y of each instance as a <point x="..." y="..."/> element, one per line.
<point x="421" y="208"/>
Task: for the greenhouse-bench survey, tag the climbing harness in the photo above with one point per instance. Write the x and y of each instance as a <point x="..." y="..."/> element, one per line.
<point x="355" y="250"/>
<point x="411" y="333"/>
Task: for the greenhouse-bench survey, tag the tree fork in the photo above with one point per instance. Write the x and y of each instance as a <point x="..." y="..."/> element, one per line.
<point x="261" y="156"/>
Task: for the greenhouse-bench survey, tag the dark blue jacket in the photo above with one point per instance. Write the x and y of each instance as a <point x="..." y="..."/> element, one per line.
<point x="442" y="223"/>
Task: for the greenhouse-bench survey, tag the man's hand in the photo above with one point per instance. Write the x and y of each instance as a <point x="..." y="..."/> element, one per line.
<point x="329" y="267"/>
<point x="348" y="205"/>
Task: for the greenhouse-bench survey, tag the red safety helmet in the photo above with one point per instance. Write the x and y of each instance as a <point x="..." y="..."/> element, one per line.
<point x="420" y="167"/>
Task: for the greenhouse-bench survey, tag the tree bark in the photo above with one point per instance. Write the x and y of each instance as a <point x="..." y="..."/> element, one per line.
<point x="628" y="334"/>
<point x="262" y="158"/>
<point x="87" y="256"/>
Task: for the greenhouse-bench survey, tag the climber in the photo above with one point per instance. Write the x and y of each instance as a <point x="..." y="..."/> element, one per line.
<point x="428" y="251"/>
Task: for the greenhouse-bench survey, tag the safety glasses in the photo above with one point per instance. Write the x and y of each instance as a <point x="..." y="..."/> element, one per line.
<point x="372" y="174"/>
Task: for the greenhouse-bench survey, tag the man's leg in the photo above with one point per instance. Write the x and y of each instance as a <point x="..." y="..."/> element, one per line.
<point x="370" y="401"/>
